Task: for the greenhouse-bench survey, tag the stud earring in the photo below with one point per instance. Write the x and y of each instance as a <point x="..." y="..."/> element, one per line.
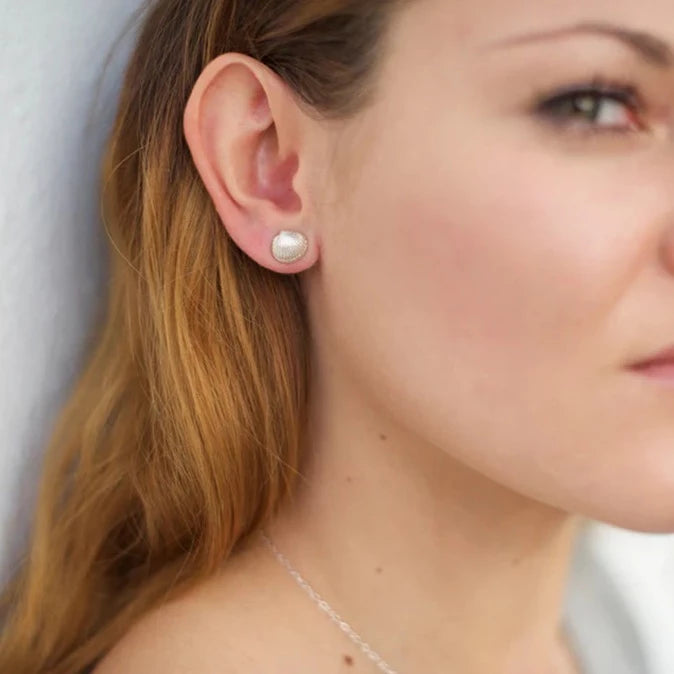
<point x="289" y="246"/>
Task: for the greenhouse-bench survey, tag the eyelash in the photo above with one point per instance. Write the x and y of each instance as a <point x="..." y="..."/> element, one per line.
<point x="598" y="88"/>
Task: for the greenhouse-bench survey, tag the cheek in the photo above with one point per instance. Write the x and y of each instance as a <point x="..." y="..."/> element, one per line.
<point x="497" y="278"/>
<point x="513" y="268"/>
<point x="474" y="263"/>
<point x="485" y="283"/>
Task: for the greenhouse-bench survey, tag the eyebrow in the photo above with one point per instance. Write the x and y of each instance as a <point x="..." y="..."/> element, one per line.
<point x="651" y="48"/>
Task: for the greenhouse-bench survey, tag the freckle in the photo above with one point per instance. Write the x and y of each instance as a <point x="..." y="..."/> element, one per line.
<point x="348" y="478"/>
<point x="382" y="436"/>
<point x="516" y="561"/>
<point x="349" y="660"/>
<point x="378" y="569"/>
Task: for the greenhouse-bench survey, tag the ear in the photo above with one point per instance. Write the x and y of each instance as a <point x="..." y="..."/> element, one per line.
<point x="257" y="153"/>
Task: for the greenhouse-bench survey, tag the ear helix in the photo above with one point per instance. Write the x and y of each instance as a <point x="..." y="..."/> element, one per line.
<point x="289" y="246"/>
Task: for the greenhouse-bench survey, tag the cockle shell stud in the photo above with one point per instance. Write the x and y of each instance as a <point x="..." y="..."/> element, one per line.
<point x="288" y="246"/>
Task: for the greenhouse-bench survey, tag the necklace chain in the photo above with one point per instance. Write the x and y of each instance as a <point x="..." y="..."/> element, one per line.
<point x="323" y="605"/>
<point x="334" y="616"/>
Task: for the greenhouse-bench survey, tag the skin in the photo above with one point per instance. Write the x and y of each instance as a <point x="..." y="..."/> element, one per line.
<point x="478" y="279"/>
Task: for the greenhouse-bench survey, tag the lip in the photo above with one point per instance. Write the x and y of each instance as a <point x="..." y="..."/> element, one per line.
<point x="659" y="367"/>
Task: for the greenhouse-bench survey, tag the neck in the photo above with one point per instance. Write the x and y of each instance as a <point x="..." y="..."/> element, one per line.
<point x="435" y="566"/>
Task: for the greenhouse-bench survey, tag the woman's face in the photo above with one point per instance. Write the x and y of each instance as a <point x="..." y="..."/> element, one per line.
<point x="496" y="262"/>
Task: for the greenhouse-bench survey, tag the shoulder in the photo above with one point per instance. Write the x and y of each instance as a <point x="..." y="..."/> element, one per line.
<point x="167" y="640"/>
<point x="249" y="619"/>
<point x="209" y="628"/>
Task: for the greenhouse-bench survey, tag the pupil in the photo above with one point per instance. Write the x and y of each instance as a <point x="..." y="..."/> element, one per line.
<point x="586" y="104"/>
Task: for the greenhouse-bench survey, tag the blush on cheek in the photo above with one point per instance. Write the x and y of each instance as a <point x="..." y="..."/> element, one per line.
<point x="488" y="280"/>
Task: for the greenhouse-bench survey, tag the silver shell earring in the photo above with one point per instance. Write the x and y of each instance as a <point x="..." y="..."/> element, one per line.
<point x="289" y="246"/>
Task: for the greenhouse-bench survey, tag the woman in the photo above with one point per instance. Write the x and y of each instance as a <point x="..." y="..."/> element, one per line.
<point x="382" y="270"/>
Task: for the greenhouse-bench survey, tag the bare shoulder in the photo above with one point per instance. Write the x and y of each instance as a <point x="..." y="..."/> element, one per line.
<point x="251" y="618"/>
<point x="214" y="627"/>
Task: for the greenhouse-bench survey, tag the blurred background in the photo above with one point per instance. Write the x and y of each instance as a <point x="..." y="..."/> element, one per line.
<point x="62" y="63"/>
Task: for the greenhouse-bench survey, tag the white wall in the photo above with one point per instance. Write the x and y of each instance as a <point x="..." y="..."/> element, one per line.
<point x="52" y="127"/>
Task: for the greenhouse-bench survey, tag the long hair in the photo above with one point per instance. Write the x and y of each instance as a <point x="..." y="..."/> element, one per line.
<point x="182" y="434"/>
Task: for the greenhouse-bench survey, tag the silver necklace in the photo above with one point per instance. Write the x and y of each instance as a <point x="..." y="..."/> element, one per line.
<point x="334" y="616"/>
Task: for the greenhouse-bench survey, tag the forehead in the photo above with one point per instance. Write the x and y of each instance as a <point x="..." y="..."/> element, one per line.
<point x="452" y="24"/>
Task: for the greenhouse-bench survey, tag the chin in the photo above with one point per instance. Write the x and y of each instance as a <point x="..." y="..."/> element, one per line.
<point x="648" y="516"/>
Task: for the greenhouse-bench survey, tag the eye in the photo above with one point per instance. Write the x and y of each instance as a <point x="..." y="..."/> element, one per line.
<point x="596" y="106"/>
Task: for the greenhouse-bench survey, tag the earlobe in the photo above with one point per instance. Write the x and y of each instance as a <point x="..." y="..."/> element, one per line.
<point x="244" y="132"/>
